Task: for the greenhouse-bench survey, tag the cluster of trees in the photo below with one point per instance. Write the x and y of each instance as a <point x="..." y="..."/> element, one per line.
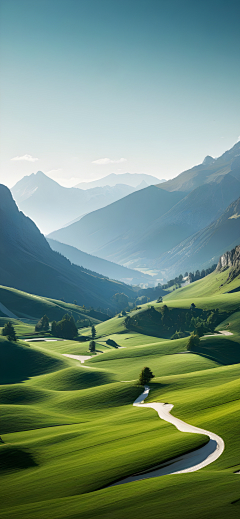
<point x="175" y="322"/>
<point x="9" y="332"/>
<point x="176" y="281"/>
<point x="194" y="276"/>
<point x="66" y="328"/>
<point x="43" y="324"/>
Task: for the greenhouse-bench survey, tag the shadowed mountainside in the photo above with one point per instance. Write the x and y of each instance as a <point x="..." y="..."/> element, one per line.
<point x="28" y="263"/>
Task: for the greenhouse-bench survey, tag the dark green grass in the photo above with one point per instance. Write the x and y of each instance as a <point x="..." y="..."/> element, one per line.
<point x="19" y="362"/>
<point x="30" y="306"/>
<point x="82" y="433"/>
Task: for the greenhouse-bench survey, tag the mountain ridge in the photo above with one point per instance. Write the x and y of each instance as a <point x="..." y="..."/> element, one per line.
<point x="28" y="263"/>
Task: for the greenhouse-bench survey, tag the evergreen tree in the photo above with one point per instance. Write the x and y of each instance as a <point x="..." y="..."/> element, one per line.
<point x="9" y="332"/>
<point x="92" y="346"/>
<point x="43" y="324"/>
<point x="193" y="342"/>
<point x="145" y="376"/>
<point x="93" y="332"/>
<point x="66" y="328"/>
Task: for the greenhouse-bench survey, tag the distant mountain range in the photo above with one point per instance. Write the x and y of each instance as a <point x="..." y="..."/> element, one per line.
<point x="104" y="267"/>
<point x="110" y="231"/>
<point x="137" y="180"/>
<point x="163" y="226"/>
<point x="28" y="263"/>
<point x="52" y="206"/>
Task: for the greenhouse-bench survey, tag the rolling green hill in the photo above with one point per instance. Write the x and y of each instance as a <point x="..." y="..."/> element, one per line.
<point x="70" y="430"/>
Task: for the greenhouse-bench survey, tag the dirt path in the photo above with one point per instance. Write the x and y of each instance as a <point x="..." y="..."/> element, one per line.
<point x="190" y="462"/>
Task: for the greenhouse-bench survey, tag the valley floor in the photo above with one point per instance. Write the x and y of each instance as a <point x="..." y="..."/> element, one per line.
<point x="70" y="430"/>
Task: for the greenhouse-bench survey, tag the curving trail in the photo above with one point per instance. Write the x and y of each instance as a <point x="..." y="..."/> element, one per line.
<point x="190" y="462"/>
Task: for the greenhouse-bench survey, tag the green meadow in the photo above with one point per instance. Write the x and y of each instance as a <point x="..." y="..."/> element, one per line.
<point x="69" y="430"/>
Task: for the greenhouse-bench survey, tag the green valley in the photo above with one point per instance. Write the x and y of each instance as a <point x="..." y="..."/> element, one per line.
<point x="69" y="430"/>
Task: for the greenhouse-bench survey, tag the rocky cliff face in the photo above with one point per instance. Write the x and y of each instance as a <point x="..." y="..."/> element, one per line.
<point x="230" y="259"/>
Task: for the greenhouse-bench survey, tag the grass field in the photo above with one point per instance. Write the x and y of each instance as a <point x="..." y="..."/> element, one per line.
<point x="70" y="430"/>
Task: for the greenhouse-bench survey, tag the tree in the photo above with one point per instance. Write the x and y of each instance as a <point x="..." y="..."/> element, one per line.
<point x="54" y="328"/>
<point x="121" y="300"/>
<point x="159" y="299"/>
<point x="9" y="332"/>
<point x="66" y="328"/>
<point x="193" y="342"/>
<point x="43" y="324"/>
<point x="93" y="332"/>
<point x="192" y="306"/>
<point x="92" y="346"/>
<point x="145" y="376"/>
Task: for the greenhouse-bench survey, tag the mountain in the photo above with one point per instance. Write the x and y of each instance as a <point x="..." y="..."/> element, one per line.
<point x="206" y="172"/>
<point x="108" y="231"/>
<point x="192" y="213"/>
<point x="130" y="179"/>
<point x="104" y="267"/>
<point x="203" y="248"/>
<point x="52" y="206"/>
<point x="153" y="222"/>
<point x="28" y="263"/>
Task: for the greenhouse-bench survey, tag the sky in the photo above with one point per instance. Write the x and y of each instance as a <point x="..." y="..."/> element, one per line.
<point x="93" y="87"/>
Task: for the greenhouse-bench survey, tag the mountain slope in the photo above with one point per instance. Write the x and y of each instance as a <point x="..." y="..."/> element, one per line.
<point x="130" y="179"/>
<point x="107" y="231"/>
<point x="206" y="172"/>
<point x="204" y="247"/>
<point x="153" y="222"/>
<point x="28" y="263"/>
<point x="194" y="212"/>
<point x="104" y="267"/>
<point x="52" y="206"/>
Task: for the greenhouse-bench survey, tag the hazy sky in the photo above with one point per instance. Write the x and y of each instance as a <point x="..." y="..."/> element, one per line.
<point x="151" y="86"/>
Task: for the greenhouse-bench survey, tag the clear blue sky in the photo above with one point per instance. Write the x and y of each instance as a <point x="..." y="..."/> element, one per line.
<point x="155" y="82"/>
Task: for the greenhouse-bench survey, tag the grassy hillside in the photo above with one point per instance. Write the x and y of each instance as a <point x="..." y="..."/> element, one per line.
<point x="29" y="306"/>
<point x="70" y="430"/>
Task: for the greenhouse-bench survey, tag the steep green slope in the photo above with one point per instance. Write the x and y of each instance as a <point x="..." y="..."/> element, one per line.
<point x="29" y="306"/>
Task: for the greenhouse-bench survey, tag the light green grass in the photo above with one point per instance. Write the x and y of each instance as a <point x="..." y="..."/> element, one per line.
<point x="77" y="430"/>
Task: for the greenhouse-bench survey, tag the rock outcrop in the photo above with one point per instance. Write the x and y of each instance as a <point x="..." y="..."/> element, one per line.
<point x="229" y="259"/>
